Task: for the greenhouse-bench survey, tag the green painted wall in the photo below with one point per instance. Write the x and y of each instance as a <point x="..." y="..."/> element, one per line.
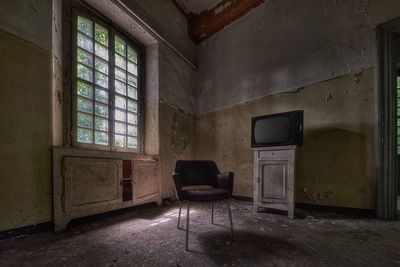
<point x="25" y="137"/>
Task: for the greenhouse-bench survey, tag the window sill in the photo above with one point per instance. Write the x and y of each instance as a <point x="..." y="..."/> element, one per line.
<point x="85" y="152"/>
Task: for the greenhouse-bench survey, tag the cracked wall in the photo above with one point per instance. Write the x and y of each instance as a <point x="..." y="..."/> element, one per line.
<point x="26" y="47"/>
<point x="284" y="45"/>
<point x="335" y="166"/>
<point x="284" y="55"/>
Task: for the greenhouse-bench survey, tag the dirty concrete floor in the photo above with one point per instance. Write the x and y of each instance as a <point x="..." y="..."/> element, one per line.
<point x="148" y="237"/>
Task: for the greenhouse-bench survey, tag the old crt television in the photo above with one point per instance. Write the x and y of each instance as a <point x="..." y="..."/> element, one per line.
<point x="282" y="129"/>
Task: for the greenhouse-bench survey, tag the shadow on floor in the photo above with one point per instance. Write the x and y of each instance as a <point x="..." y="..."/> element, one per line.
<point x="252" y="247"/>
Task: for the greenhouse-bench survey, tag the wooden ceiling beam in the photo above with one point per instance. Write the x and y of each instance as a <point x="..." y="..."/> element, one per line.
<point x="209" y="22"/>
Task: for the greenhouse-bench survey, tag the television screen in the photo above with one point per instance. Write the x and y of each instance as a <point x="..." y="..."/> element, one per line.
<point x="280" y="129"/>
<point x="272" y="130"/>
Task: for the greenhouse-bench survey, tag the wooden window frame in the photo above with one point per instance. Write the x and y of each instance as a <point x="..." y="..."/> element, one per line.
<point x="71" y="10"/>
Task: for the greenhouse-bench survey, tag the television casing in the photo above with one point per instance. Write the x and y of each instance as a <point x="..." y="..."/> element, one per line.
<point x="296" y="129"/>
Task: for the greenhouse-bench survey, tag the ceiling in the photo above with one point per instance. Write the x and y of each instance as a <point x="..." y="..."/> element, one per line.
<point x="197" y="6"/>
<point x="207" y="17"/>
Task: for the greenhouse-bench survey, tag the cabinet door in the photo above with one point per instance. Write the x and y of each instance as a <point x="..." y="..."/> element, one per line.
<point x="90" y="183"/>
<point x="145" y="179"/>
<point x="273" y="181"/>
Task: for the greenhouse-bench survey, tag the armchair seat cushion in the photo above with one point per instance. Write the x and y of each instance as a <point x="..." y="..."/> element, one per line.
<point x="205" y="195"/>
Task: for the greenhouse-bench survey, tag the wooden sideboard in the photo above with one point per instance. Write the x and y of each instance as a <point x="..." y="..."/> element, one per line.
<point x="88" y="182"/>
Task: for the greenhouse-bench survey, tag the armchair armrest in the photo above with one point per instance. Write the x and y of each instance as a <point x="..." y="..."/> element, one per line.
<point x="225" y="180"/>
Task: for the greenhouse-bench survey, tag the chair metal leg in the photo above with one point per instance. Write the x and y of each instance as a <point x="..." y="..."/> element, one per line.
<point x="212" y="212"/>
<point x="230" y="218"/>
<point x="179" y="216"/>
<point x="187" y="225"/>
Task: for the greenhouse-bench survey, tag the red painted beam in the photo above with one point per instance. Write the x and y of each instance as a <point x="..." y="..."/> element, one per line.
<point x="209" y="22"/>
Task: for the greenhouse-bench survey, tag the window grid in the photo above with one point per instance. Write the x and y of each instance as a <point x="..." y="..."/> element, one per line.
<point x="107" y="107"/>
<point x="126" y="112"/>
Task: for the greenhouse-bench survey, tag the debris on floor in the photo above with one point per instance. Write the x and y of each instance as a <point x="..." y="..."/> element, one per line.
<point x="149" y="237"/>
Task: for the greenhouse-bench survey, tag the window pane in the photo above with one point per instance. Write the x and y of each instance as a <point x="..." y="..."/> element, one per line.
<point x="132" y="92"/>
<point x="119" y="140"/>
<point x="84" y="73"/>
<point x="132" y="54"/>
<point x="132" y="80"/>
<point x="85" y="26"/>
<point x="132" y="106"/>
<point x="120" y="102"/>
<point x="101" y="96"/>
<point x="132" y="118"/>
<point x="120" y="75"/>
<point x="101" y="124"/>
<point x="119" y="46"/>
<point x="85" y="42"/>
<point x="120" y="61"/>
<point x="101" y="138"/>
<point x="101" y="79"/>
<point x="120" y="87"/>
<point x="85" y="105"/>
<point x="101" y="34"/>
<point x="85" y="136"/>
<point x="101" y="51"/>
<point x="132" y="130"/>
<point x="120" y="115"/>
<point x="84" y="57"/>
<point x="132" y="68"/>
<point x="132" y="142"/>
<point x="85" y="120"/>
<point x="84" y="89"/>
<point x="120" y="128"/>
<point x="101" y="110"/>
<point x="101" y="65"/>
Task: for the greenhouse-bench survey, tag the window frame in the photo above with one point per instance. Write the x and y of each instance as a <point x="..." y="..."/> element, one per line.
<point x="73" y="10"/>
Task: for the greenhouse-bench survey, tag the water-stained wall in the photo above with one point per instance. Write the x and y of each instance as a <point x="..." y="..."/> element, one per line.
<point x="283" y="45"/>
<point x="25" y="138"/>
<point x="336" y="164"/>
<point x="319" y="56"/>
<point x="26" y="103"/>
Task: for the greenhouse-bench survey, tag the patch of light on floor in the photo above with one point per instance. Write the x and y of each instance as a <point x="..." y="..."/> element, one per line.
<point x="169" y="216"/>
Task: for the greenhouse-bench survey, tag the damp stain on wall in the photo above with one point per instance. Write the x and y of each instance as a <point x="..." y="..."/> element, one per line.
<point x="181" y="131"/>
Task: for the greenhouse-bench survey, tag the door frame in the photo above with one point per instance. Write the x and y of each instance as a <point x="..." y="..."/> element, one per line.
<point x="387" y="182"/>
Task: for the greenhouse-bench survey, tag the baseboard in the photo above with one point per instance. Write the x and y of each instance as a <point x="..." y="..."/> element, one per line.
<point x="306" y="206"/>
<point x="26" y="230"/>
<point x="49" y="226"/>
<point x="242" y="198"/>
<point x="342" y="210"/>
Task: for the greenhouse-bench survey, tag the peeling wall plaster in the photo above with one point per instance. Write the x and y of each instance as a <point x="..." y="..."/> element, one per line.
<point x="283" y="45"/>
<point x="335" y="166"/>
<point x="181" y="131"/>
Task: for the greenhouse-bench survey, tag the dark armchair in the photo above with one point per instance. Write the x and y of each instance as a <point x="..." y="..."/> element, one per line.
<point x="190" y="175"/>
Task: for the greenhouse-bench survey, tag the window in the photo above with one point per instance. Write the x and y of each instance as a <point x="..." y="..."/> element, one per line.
<point x="105" y="86"/>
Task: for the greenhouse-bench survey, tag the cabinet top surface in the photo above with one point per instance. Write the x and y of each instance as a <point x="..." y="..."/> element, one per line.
<point x="274" y="148"/>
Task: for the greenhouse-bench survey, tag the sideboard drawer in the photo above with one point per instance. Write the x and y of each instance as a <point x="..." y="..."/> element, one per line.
<point x="273" y="154"/>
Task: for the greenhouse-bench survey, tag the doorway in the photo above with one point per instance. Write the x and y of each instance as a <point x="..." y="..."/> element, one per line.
<point x="388" y="186"/>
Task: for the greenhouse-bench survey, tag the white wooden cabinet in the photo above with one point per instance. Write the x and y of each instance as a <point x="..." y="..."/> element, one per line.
<point x="274" y="178"/>
<point x="88" y="182"/>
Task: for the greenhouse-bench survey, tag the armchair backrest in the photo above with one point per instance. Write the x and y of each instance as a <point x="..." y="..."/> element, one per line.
<point x="197" y="172"/>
